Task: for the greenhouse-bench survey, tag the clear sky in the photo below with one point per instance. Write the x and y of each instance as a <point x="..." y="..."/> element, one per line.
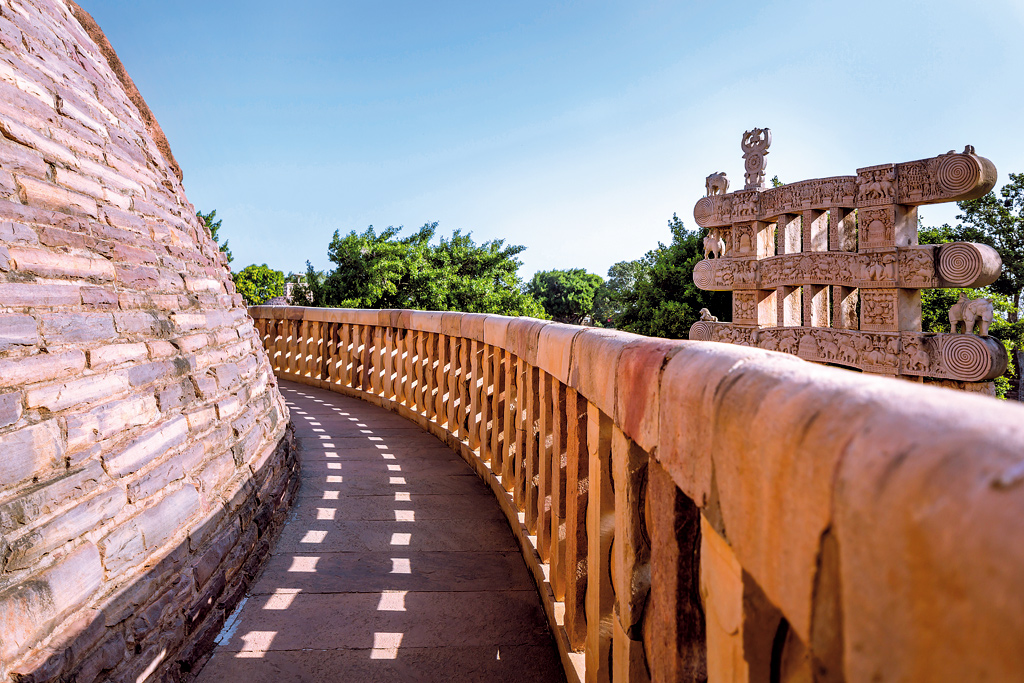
<point x="573" y="128"/>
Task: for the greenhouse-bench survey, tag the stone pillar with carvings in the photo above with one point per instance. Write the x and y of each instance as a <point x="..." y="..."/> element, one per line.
<point x="831" y="270"/>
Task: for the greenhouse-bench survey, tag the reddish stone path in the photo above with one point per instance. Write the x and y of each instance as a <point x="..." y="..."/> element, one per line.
<point x="395" y="565"/>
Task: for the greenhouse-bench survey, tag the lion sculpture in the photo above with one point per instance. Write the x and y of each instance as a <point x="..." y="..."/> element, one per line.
<point x="970" y="312"/>
<point x="705" y="316"/>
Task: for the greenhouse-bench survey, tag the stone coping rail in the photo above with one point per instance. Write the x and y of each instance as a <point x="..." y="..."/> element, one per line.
<point x="694" y="510"/>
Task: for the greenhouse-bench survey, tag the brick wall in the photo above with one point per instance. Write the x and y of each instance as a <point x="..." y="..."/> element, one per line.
<point x="144" y="451"/>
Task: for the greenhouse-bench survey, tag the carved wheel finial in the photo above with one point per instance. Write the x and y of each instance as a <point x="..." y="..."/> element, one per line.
<point x="755" y="144"/>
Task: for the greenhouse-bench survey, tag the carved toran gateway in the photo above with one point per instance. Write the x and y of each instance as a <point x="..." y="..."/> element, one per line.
<point x="830" y="269"/>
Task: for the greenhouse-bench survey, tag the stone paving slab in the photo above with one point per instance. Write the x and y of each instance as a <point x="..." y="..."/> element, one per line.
<point x="386" y="574"/>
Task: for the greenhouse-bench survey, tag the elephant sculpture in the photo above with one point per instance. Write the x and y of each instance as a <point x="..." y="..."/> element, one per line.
<point x="970" y="312"/>
<point x="713" y="244"/>
<point x="717" y="183"/>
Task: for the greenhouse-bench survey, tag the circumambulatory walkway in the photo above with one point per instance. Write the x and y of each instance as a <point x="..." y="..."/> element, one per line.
<point x="396" y="564"/>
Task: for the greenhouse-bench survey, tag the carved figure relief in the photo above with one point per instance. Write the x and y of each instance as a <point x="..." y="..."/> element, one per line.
<point x="744" y="307"/>
<point x="917" y="267"/>
<point x="743" y="239"/>
<point x="877" y="227"/>
<point x="970" y="312"/>
<point x="717" y="183"/>
<point x="878" y="309"/>
<point x="876" y="185"/>
<point x="755" y="144"/>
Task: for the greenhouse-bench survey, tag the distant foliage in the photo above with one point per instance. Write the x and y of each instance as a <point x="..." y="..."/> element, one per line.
<point x="657" y="294"/>
<point x="207" y="219"/>
<point x="257" y="284"/>
<point x="568" y="296"/>
<point x="388" y="271"/>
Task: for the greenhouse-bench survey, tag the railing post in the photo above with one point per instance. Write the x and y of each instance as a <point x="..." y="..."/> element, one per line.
<point x="498" y="409"/>
<point x="600" y="531"/>
<point x="675" y="639"/>
<point x="545" y="439"/>
<point x="559" y="462"/>
<point x="577" y="475"/>
<point x="630" y="557"/>
<point x="533" y="446"/>
<point x="473" y="418"/>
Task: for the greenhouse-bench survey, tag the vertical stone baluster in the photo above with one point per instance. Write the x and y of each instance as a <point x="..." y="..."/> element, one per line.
<point x="475" y="388"/>
<point x="510" y="370"/>
<point x="577" y="475"/>
<point x="545" y="446"/>
<point x="377" y="360"/>
<point x="427" y="355"/>
<point x="674" y="637"/>
<point x="387" y="389"/>
<point x="631" y="555"/>
<point x="532" y="452"/>
<point x="486" y="423"/>
<point x="330" y="368"/>
<point x="462" y="385"/>
<point x="514" y="431"/>
<point x="365" y="358"/>
<point x="294" y="347"/>
<point x="600" y="533"/>
<point x="322" y="352"/>
<point x="346" y="365"/>
<point x="407" y="372"/>
<point x="498" y="400"/>
<point x="559" y="461"/>
<point x="441" y="398"/>
<point x="452" y="384"/>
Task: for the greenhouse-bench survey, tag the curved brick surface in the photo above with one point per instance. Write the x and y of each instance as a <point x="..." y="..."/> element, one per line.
<point x="144" y="460"/>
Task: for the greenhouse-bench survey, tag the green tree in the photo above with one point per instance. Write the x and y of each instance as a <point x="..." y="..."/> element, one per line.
<point x="388" y="271"/>
<point x="999" y="222"/>
<point x="619" y="290"/>
<point x="568" y="296"/>
<point x="257" y="284"/>
<point x="665" y="301"/>
<point x="207" y="219"/>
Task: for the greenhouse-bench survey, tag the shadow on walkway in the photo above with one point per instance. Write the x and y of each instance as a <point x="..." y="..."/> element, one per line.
<point x="395" y="564"/>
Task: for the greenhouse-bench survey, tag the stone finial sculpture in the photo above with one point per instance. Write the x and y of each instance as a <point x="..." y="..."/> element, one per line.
<point x="714" y="244"/>
<point x="706" y="316"/>
<point x="830" y="269"/>
<point x="716" y="183"/>
<point x="755" y="144"/>
<point x="970" y="312"/>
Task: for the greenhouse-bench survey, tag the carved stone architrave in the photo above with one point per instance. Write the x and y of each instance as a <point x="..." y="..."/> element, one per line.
<point x="879" y="310"/>
<point x="803" y="258"/>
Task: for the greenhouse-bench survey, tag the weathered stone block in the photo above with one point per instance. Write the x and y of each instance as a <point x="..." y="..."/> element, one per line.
<point x="56" y="198"/>
<point x="29" y="609"/>
<point x="30" y="451"/>
<point x="23" y="294"/>
<point x="109" y="419"/>
<point x="17" y="330"/>
<point x="41" y="367"/>
<point x="10" y="408"/>
<point x="115" y="354"/>
<point x="147" y="447"/>
<point x="77" y="328"/>
<point x="46" y="263"/>
<point x="68" y="525"/>
<point x="130" y="543"/>
<point x="56" y="397"/>
<point x="44" y="500"/>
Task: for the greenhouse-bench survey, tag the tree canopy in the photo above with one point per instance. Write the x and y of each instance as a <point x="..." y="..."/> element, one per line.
<point x="662" y="299"/>
<point x="386" y="270"/>
<point x="568" y="296"/>
<point x="207" y="219"/>
<point x="257" y="284"/>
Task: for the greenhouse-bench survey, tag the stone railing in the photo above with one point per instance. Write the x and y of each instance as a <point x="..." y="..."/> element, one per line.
<point x="694" y="510"/>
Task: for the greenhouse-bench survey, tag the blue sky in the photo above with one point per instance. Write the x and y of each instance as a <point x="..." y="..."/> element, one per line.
<point x="573" y="128"/>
